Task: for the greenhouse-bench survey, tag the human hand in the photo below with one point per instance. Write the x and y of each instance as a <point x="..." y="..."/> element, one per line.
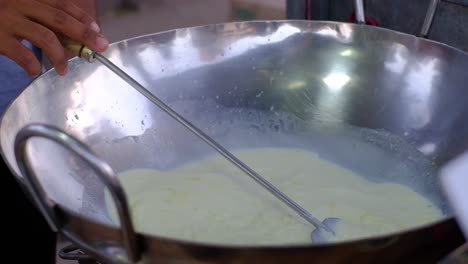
<point x="41" y="22"/>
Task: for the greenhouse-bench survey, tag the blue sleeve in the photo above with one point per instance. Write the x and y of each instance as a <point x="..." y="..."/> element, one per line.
<point x="13" y="79"/>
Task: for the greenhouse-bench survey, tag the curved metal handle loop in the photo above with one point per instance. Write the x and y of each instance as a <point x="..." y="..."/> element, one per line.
<point x="433" y="4"/>
<point x="102" y="169"/>
<point x="359" y="10"/>
<point x="429" y="18"/>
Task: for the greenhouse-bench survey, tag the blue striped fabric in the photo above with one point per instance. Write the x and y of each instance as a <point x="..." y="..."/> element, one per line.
<point x="13" y="79"/>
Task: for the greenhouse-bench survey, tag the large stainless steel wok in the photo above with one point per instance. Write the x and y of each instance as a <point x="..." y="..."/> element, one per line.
<point x="247" y="84"/>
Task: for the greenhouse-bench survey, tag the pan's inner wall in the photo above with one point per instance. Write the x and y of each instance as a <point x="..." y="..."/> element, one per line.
<point x="389" y="106"/>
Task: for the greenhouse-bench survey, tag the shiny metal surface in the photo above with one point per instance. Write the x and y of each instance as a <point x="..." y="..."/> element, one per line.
<point x="220" y="149"/>
<point x="248" y="84"/>
<point x="102" y="169"/>
<point x="453" y="182"/>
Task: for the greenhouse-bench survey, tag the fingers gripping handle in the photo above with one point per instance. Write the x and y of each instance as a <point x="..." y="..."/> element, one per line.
<point x="79" y="50"/>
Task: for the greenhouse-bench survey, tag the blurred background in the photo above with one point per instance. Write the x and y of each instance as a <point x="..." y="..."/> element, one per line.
<point x="122" y="19"/>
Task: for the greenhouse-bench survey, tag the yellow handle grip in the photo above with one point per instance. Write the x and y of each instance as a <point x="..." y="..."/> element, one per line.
<point x="79" y="49"/>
